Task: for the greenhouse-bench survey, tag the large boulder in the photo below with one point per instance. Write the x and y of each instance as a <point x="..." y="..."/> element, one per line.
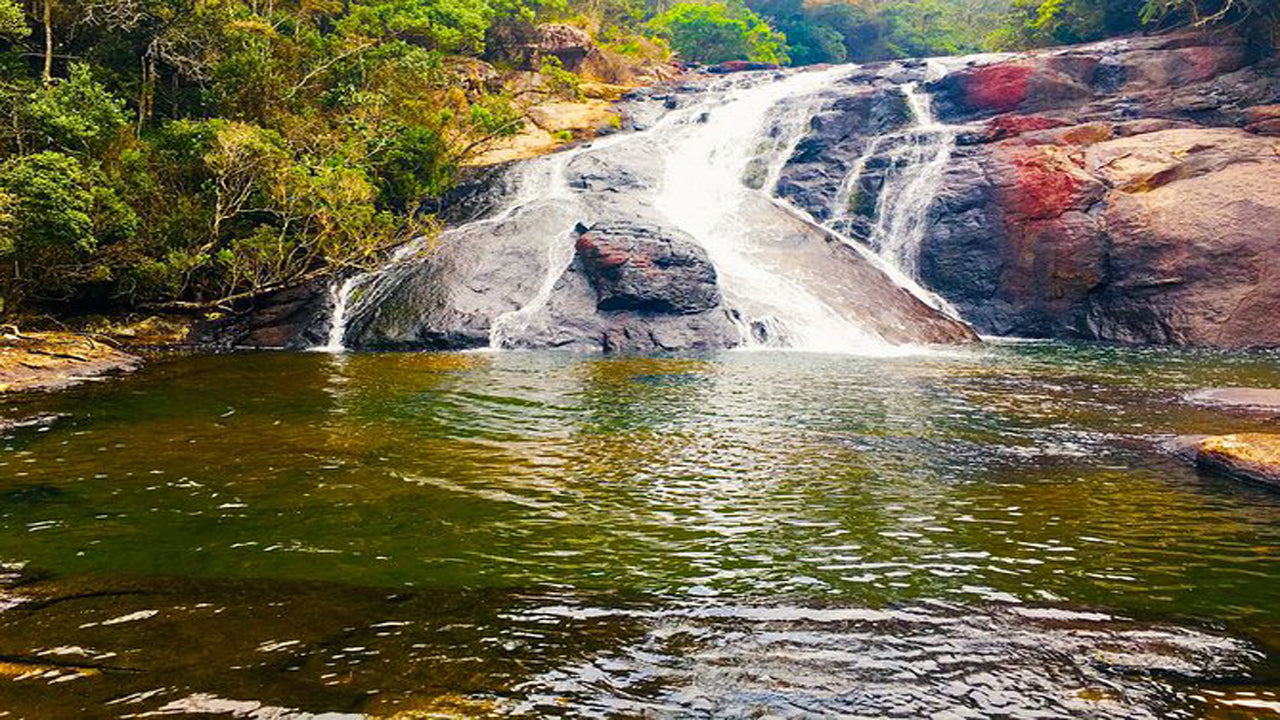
<point x="1161" y="237"/>
<point x="634" y="266"/>
<point x="1123" y="191"/>
<point x="633" y="286"/>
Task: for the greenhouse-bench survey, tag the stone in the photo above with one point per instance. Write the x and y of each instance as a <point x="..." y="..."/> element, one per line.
<point x="639" y="267"/>
<point x="56" y="360"/>
<point x="1265" y="400"/>
<point x="1248" y="456"/>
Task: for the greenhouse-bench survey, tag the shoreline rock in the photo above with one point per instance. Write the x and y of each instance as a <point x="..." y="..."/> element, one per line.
<point x="54" y="361"/>
<point x="1253" y="456"/>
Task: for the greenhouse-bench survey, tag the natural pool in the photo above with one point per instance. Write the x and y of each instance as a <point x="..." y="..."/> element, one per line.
<point x="987" y="533"/>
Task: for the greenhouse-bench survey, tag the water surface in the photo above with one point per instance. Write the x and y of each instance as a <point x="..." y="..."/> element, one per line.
<point x="990" y="532"/>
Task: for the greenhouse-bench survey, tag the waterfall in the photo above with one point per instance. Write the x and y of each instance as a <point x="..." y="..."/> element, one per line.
<point x="708" y="167"/>
<point x="901" y="211"/>
<point x="917" y="158"/>
<point x="553" y="187"/>
<point x="340" y="296"/>
<point x="704" y="192"/>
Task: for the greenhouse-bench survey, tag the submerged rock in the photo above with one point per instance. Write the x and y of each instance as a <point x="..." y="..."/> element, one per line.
<point x="1265" y="400"/>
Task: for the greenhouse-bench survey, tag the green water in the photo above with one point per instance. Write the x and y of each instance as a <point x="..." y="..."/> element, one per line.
<point x="748" y="534"/>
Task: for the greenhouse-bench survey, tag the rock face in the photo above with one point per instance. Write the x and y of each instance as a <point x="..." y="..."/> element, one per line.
<point x="1125" y="191"/>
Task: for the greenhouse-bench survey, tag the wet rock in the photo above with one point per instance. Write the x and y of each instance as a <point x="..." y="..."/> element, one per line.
<point x="1249" y="456"/>
<point x="632" y="287"/>
<point x="736" y="66"/>
<point x="841" y="132"/>
<point x="640" y="267"/>
<point x="295" y="318"/>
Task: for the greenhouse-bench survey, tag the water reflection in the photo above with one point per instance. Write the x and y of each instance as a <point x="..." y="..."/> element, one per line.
<point x="642" y="489"/>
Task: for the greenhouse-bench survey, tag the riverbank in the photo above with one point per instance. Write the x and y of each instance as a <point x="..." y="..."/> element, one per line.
<point x="56" y="360"/>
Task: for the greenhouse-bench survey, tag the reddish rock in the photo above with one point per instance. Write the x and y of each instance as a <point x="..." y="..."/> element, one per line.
<point x="1165" y="237"/>
<point x="1010" y="125"/>
<point x="1042" y="182"/>
<point x="1182" y="66"/>
<point x="997" y="88"/>
<point x="1265" y="127"/>
<point x="1261" y="113"/>
<point x="638" y="267"/>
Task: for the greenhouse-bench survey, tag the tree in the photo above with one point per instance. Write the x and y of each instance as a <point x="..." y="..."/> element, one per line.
<point x="13" y="25"/>
<point x="716" y="33"/>
<point x="76" y="114"/>
<point x="59" y="213"/>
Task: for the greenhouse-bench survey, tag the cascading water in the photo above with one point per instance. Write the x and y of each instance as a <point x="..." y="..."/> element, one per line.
<point x="703" y="193"/>
<point x="917" y="158"/>
<point x="709" y="169"/>
<point x="340" y="296"/>
<point x="901" y="218"/>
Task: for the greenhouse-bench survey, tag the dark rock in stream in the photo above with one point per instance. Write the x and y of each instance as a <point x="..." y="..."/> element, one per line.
<point x="639" y="267"/>
<point x="296" y="318"/>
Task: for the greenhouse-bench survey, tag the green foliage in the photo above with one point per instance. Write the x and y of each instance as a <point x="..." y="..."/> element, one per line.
<point x="561" y="82"/>
<point x="12" y="25"/>
<point x="414" y="164"/>
<point x="1035" y="23"/>
<point x="52" y="201"/>
<point x="719" y="32"/>
<point x="454" y="26"/>
<point x="223" y="148"/>
<point x="1257" y="19"/>
<point x="838" y="31"/>
<point x="57" y="213"/>
<point x="76" y="114"/>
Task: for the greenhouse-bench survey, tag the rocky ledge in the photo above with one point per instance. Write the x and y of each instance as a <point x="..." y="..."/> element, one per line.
<point x="1125" y="191"/>
<point x="52" y="361"/>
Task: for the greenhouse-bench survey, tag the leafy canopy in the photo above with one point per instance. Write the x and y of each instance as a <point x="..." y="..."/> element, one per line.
<point x="719" y="32"/>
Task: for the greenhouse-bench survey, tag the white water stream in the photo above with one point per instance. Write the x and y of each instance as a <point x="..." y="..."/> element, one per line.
<point x="719" y="157"/>
<point x="703" y="193"/>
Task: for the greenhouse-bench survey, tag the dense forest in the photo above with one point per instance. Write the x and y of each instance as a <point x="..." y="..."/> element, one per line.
<point x="190" y="153"/>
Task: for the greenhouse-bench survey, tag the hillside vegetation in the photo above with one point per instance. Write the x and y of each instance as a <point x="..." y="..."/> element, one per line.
<point x="193" y="153"/>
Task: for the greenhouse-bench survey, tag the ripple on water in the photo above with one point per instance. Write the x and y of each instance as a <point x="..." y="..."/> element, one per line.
<point x="140" y="647"/>
<point x="675" y="499"/>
